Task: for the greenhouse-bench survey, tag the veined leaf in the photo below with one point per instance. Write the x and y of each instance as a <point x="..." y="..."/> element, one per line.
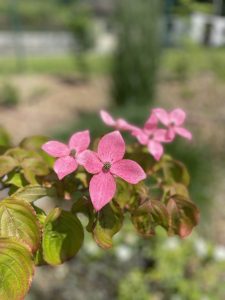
<point x="31" y="193"/>
<point x="16" y="269"/>
<point x="184" y="215"/>
<point x="18" y="219"/>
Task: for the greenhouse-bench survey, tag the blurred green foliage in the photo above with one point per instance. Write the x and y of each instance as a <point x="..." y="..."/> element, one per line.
<point x="9" y="95"/>
<point x="136" y="59"/>
<point x="186" y="7"/>
<point x="80" y="25"/>
<point x="191" y="60"/>
<point x="56" y="65"/>
<point x="5" y="139"/>
<point x="186" y="270"/>
<point x="38" y="15"/>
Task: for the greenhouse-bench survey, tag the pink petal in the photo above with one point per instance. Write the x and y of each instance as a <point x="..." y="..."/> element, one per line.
<point x="141" y="136"/>
<point x="111" y="147"/>
<point x="124" y="125"/>
<point x="162" y="115"/>
<point x="64" y="166"/>
<point x="80" y="141"/>
<point x="128" y="170"/>
<point x="90" y="161"/>
<point x="156" y="149"/>
<point x="56" y="149"/>
<point x="177" y="116"/>
<point x="151" y="122"/>
<point x="107" y="119"/>
<point x="183" y="132"/>
<point x="171" y="134"/>
<point x="160" y="135"/>
<point x="102" y="189"/>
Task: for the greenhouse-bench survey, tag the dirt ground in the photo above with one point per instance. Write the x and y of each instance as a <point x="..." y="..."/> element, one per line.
<point x="48" y="104"/>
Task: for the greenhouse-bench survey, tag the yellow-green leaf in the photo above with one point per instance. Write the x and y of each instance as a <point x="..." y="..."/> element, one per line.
<point x="16" y="269"/>
<point x="7" y="164"/>
<point x="18" y="219"/>
<point x="62" y="236"/>
<point x="109" y="222"/>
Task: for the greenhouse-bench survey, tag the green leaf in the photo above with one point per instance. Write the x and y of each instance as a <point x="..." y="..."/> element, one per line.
<point x="109" y="222"/>
<point x="17" y="153"/>
<point x="16" y="269"/>
<point x="18" y="219"/>
<point x="31" y="193"/>
<point x="16" y="179"/>
<point x="173" y="170"/>
<point x="62" y="236"/>
<point x="35" y="165"/>
<point x="38" y="256"/>
<point x="183" y="214"/>
<point x="41" y="215"/>
<point x="125" y="194"/>
<point x="150" y="214"/>
<point x="7" y="164"/>
<point x="33" y="142"/>
<point x="83" y="205"/>
<point x="5" y="139"/>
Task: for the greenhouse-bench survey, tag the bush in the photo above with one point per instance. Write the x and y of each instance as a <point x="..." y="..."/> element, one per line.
<point x="81" y="28"/>
<point x="137" y="56"/>
<point x="9" y="95"/>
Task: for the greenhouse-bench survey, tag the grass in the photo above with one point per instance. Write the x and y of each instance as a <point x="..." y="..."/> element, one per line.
<point x="53" y="65"/>
<point x="190" y="60"/>
<point x="194" y="60"/>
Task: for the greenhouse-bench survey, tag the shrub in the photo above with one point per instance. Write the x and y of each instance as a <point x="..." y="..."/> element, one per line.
<point x="9" y="95"/>
<point x="137" y="56"/>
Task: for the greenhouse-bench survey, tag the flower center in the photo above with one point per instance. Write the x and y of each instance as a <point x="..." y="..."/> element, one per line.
<point x="172" y="124"/>
<point x="106" y="167"/>
<point x="151" y="136"/>
<point x="73" y="153"/>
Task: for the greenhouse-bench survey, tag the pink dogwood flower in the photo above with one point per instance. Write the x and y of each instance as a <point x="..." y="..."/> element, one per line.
<point x="174" y="121"/>
<point x="152" y="137"/>
<point x="67" y="155"/>
<point x="119" y="124"/>
<point x="107" y="163"/>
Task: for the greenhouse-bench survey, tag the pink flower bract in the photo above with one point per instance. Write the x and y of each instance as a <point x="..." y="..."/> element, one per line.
<point x="174" y="121"/>
<point x="107" y="163"/>
<point x="119" y="124"/>
<point x="67" y="155"/>
<point x="152" y="137"/>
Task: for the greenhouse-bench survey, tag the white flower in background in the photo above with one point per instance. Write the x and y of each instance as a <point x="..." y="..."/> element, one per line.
<point x="123" y="253"/>
<point x="219" y="253"/>
<point x="201" y="247"/>
<point x="172" y="243"/>
<point x="91" y="248"/>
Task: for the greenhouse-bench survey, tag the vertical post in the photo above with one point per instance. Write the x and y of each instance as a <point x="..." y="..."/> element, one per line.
<point x="16" y="29"/>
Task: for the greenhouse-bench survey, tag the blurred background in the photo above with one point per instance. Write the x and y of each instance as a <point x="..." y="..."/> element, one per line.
<point x="61" y="61"/>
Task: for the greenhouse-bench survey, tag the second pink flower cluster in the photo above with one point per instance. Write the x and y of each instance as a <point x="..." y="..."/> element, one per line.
<point x="151" y="135"/>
